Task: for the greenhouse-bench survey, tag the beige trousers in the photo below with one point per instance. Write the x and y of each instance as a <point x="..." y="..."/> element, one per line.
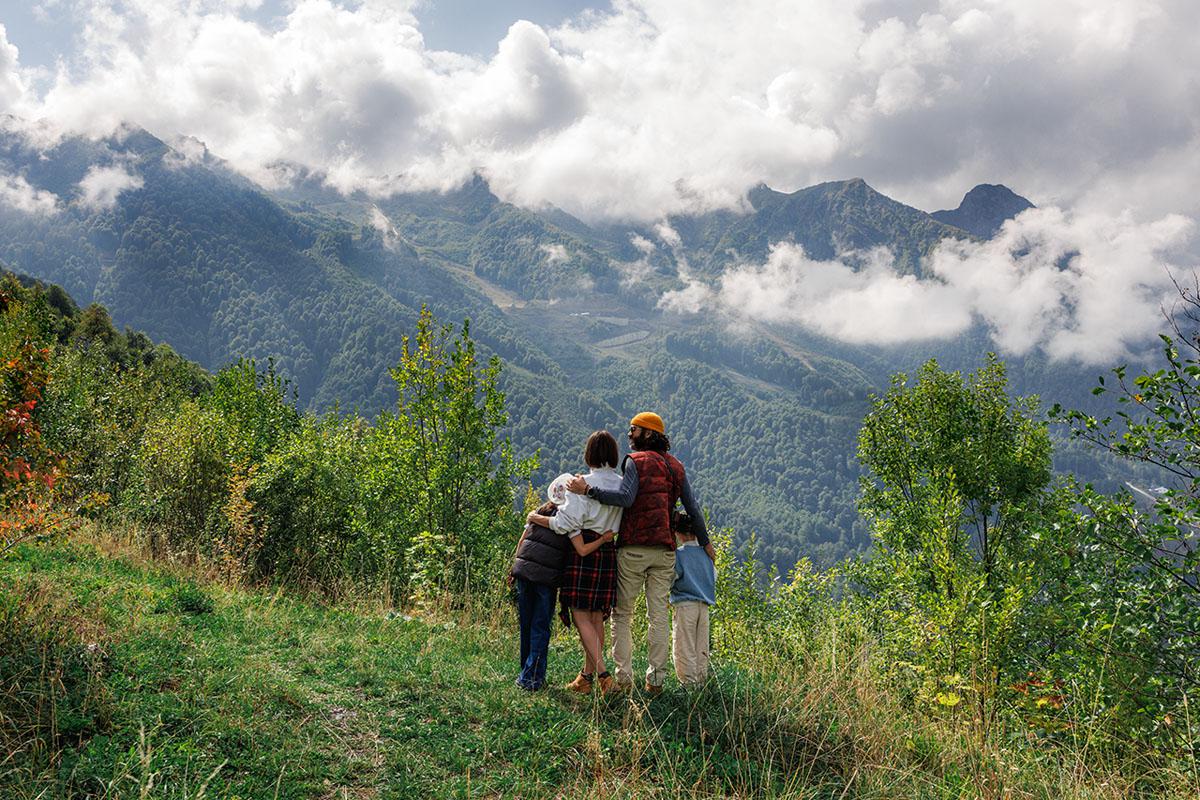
<point x="652" y="570"/>
<point x="689" y="638"/>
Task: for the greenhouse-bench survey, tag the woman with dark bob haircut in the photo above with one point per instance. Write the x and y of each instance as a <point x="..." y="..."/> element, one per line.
<point x="589" y="585"/>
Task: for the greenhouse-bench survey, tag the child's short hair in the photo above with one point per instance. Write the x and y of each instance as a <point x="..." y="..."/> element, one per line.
<point x="600" y="450"/>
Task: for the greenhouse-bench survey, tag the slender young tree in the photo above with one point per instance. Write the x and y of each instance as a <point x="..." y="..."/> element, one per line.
<point x="458" y="473"/>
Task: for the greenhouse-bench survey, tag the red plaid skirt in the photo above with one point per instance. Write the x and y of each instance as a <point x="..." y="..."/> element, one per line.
<point x="590" y="583"/>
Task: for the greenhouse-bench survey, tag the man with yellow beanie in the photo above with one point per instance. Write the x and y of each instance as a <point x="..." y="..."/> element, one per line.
<point x="653" y="482"/>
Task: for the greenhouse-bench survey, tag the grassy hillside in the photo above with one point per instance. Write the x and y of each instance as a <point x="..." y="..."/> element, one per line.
<point x="120" y="677"/>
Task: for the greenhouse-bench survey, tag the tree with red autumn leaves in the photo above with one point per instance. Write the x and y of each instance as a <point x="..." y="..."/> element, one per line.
<point x="29" y="471"/>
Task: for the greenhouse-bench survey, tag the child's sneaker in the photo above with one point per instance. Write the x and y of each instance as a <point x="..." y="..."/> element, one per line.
<point x="582" y="684"/>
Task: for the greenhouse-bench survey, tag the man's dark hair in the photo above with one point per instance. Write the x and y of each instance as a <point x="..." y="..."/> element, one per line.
<point x="653" y="440"/>
<point x="601" y="450"/>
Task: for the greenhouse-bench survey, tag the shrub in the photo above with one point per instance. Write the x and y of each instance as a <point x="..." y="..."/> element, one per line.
<point x="303" y="496"/>
<point x="761" y="618"/>
<point x="29" y="469"/>
<point x="258" y="408"/>
<point x="182" y="479"/>
<point x="96" y="412"/>
<point x="956" y="469"/>
<point x="1130" y="565"/>
<point x="193" y="464"/>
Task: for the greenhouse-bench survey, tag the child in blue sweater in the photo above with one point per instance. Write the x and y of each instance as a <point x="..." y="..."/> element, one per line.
<point x="694" y="590"/>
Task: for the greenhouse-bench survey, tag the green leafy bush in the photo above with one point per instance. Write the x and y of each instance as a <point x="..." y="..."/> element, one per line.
<point x="955" y="470"/>
<point x="303" y="497"/>
<point x="190" y="463"/>
<point x="97" y="412"/>
<point x="1130" y="578"/>
<point x="182" y="475"/>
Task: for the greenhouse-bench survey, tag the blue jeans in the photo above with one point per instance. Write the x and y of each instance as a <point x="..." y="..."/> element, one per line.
<point x="535" y="610"/>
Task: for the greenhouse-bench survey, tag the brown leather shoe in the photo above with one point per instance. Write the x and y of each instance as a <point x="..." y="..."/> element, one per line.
<point x="607" y="684"/>
<point x="581" y="684"/>
<point x="652" y="689"/>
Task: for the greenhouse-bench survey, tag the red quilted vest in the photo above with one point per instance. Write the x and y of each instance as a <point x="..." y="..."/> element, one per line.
<point x="648" y="520"/>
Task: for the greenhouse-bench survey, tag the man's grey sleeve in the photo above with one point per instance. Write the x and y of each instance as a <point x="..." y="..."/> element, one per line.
<point x="623" y="496"/>
<point x="699" y="529"/>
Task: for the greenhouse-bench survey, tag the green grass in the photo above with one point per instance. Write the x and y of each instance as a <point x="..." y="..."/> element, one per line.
<point x="120" y="678"/>
<point x="274" y="697"/>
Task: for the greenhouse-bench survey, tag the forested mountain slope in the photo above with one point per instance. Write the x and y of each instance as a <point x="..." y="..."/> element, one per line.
<point x="327" y="286"/>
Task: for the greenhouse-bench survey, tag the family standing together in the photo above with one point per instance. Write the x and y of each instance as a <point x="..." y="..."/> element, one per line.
<point x="601" y="541"/>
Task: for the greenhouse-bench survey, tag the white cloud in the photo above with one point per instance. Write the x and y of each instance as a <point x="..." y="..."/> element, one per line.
<point x="101" y="186"/>
<point x="186" y="151"/>
<point x="14" y="86"/>
<point x="633" y="273"/>
<point x="16" y="192"/>
<point x="669" y="236"/>
<point x="691" y="299"/>
<point x="655" y="107"/>
<point x="868" y="304"/>
<point x="555" y="253"/>
<point x="650" y="108"/>
<point x="1088" y="288"/>
<point x="638" y="271"/>
<point x="392" y="239"/>
<point x="642" y="244"/>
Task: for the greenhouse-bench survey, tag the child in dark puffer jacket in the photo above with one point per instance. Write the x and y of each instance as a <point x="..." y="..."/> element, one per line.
<point x="536" y="574"/>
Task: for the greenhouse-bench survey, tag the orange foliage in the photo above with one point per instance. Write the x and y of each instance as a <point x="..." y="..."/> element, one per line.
<point x="29" y="471"/>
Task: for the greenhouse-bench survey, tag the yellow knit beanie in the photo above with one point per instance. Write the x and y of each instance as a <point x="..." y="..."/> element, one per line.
<point x="648" y="420"/>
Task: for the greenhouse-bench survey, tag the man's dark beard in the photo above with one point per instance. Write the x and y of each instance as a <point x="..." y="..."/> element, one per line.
<point x="649" y="440"/>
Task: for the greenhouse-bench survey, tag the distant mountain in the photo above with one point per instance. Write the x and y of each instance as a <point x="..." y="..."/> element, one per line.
<point x="328" y="286"/>
<point x="984" y="209"/>
<point x="827" y="220"/>
<point x="508" y="246"/>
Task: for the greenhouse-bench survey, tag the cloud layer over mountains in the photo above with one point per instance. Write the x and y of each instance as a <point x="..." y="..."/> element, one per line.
<point x="1089" y="288"/>
<point x="648" y="108"/>
<point x="659" y="106"/>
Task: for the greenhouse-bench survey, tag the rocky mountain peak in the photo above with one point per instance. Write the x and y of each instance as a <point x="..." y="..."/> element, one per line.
<point x="984" y="209"/>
